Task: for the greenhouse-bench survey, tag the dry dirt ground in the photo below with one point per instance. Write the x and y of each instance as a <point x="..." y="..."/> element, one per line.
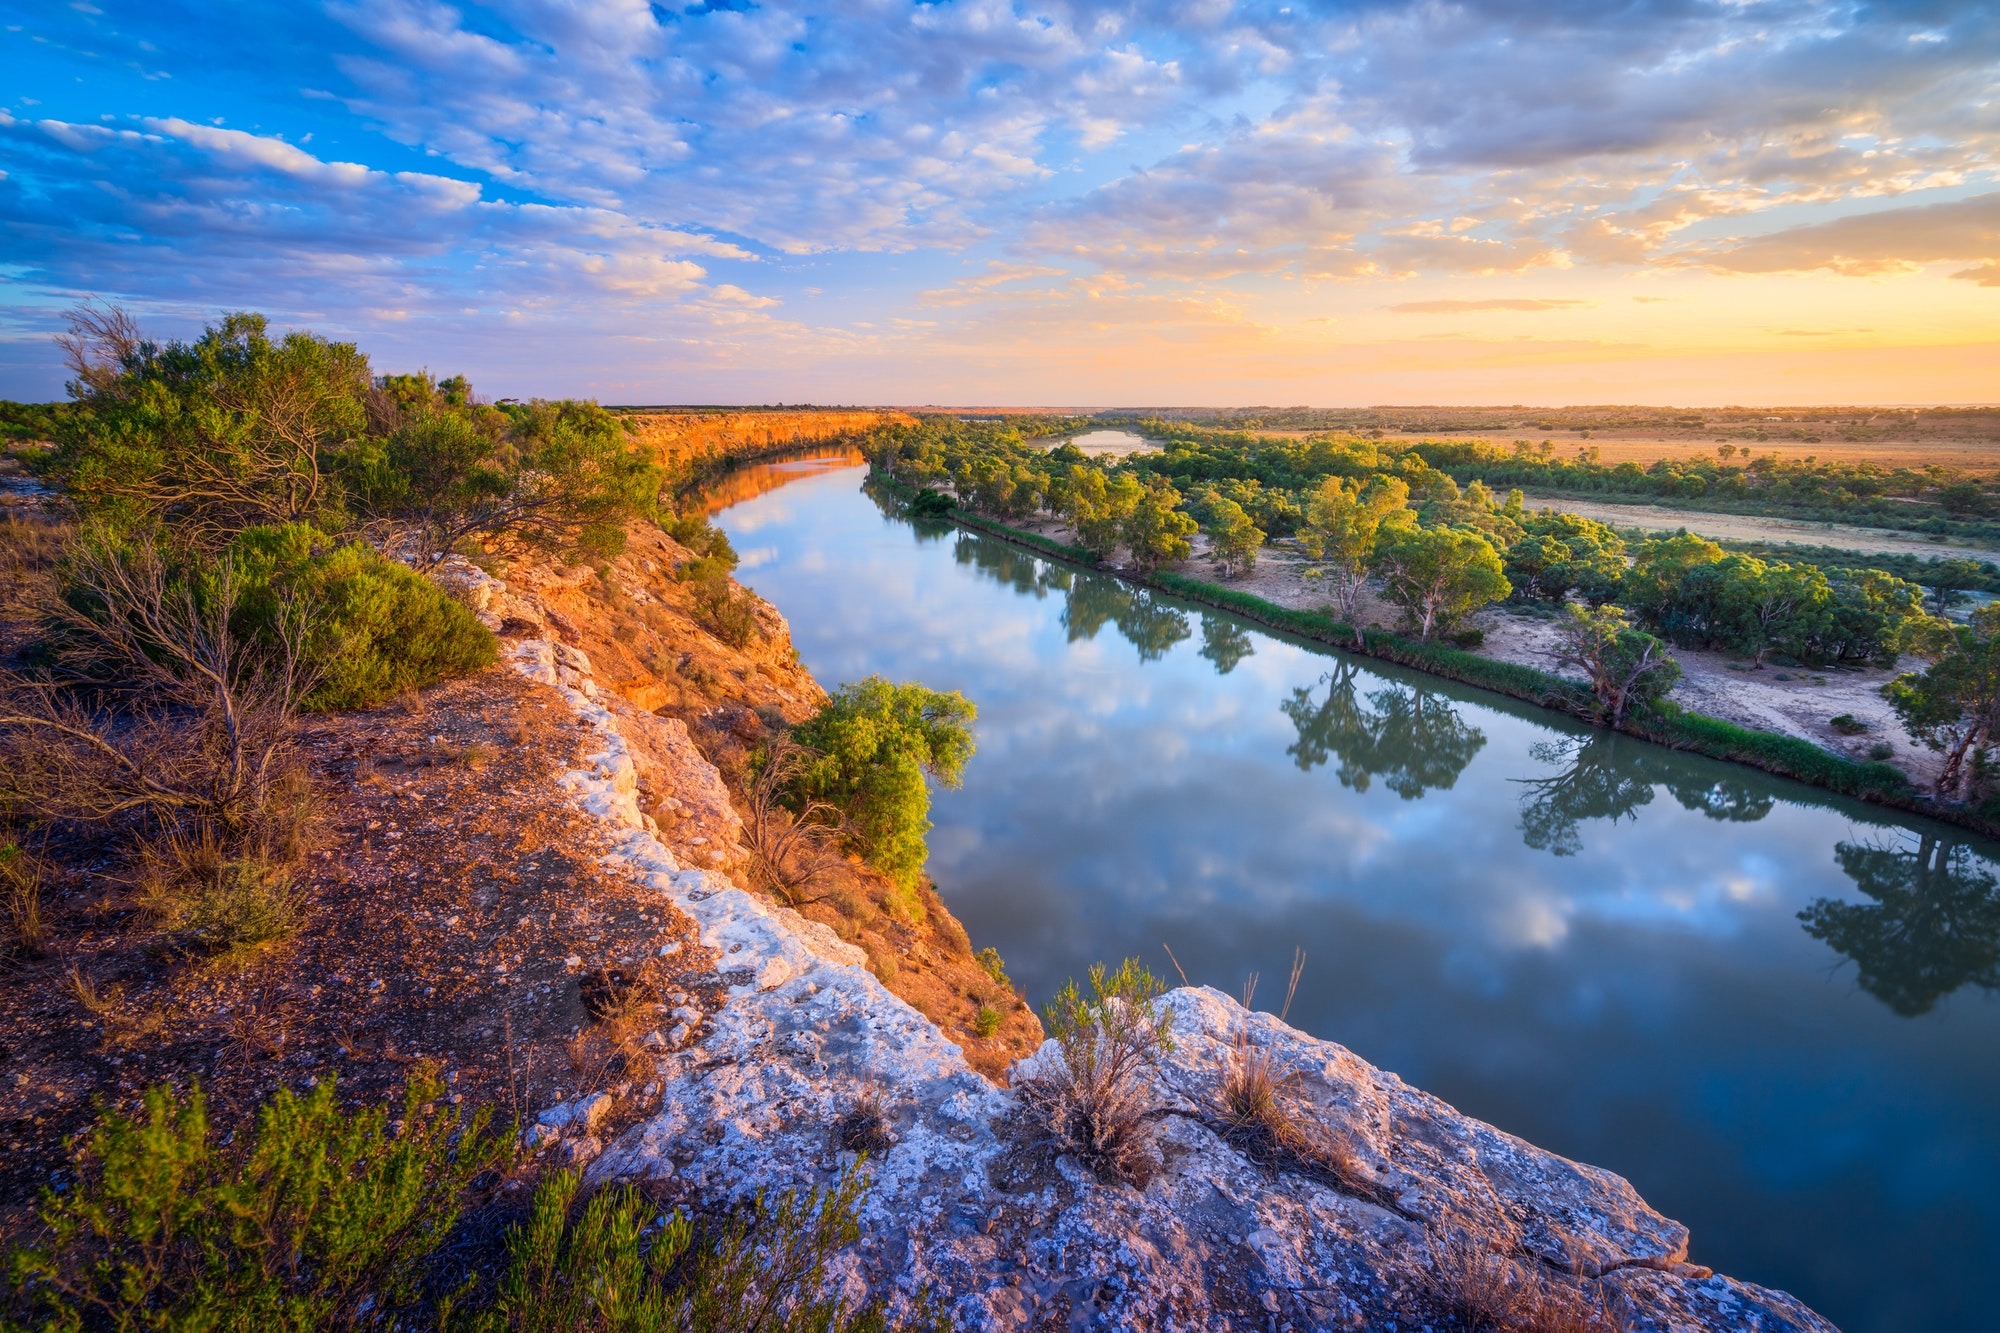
<point x="453" y="913"/>
<point x="1747" y="527"/>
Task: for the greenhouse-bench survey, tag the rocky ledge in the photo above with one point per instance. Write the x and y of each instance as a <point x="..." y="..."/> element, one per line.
<point x="1436" y="1221"/>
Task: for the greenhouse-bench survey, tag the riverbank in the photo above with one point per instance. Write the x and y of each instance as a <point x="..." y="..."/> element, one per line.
<point x="1718" y="738"/>
<point x="533" y="881"/>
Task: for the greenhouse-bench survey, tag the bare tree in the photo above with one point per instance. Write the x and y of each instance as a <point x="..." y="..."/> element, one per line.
<point x="159" y="704"/>
<point x="101" y="343"/>
<point x="792" y="849"/>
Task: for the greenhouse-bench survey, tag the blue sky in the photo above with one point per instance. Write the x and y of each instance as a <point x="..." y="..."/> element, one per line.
<point x="883" y="202"/>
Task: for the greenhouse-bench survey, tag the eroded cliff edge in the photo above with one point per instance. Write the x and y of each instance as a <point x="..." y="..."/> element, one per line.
<point x="802" y="1035"/>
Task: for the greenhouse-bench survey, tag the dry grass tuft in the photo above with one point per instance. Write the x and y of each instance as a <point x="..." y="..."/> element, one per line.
<point x="865" y="1127"/>
<point x="28" y="927"/>
<point x="1482" y="1279"/>
<point x="211" y="898"/>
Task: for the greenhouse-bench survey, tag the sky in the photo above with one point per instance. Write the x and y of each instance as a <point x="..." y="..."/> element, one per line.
<point x="1163" y="202"/>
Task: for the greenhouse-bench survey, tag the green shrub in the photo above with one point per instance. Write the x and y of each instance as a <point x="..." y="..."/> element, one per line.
<point x="317" y="1217"/>
<point x="987" y="1021"/>
<point x="1848" y="725"/>
<point x="729" y="614"/>
<point x="603" y="1266"/>
<point x="989" y="960"/>
<point x="708" y="543"/>
<point x="378" y="628"/>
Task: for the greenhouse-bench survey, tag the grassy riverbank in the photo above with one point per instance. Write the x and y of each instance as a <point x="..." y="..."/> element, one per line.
<point x="1680" y="729"/>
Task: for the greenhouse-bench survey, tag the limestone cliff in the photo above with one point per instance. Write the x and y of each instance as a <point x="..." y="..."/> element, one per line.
<point x="1440" y="1221"/>
<point x="688" y="441"/>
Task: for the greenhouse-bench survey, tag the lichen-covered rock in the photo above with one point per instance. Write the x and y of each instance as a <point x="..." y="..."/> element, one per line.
<point x="962" y="1204"/>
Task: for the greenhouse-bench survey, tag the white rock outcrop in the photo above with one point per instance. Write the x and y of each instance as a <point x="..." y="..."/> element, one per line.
<point x="959" y="1207"/>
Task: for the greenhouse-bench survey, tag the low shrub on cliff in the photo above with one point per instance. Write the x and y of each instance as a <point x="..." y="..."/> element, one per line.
<point x="312" y="1219"/>
<point x="374" y="628"/>
<point x="611" y="1262"/>
<point x="319" y="1218"/>
<point x="1097" y="1105"/>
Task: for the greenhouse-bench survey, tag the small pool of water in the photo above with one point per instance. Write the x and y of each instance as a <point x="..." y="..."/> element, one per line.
<point x="1767" y="1007"/>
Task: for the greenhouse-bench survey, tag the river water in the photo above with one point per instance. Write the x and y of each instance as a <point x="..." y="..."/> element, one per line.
<point x="1767" y="1007"/>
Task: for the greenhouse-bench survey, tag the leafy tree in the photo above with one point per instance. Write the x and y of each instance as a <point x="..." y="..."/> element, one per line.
<point x="1594" y="563"/>
<point x="1932" y="927"/>
<point x="1953" y="705"/>
<point x="1538" y="567"/>
<point x="1625" y="666"/>
<point x="1157" y="532"/>
<point x="1439" y="575"/>
<point x="1873" y="617"/>
<point x="1659" y="568"/>
<point x="208" y="437"/>
<point x="1344" y="522"/>
<point x="876" y="742"/>
<point x="1948" y="580"/>
<point x="1233" y="539"/>
<point x="1775" y="605"/>
<point x="556" y="475"/>
<point x="1101" y="509"/>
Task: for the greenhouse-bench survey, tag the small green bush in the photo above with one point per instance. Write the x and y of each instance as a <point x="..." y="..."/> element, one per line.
<point x="1848" y="725"/>
<point x="317" y="1218"/>
<point x="729" y="614"/>
<point x="989" y="959"/>
<point x="987" y="1021"/>
<point x="709" y="543"/>
<point x="604" y="1266"/>
<point x="378" y="628"/>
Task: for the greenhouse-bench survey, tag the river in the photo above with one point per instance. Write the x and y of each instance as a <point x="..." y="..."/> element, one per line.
<point x="1767" y="1007"/>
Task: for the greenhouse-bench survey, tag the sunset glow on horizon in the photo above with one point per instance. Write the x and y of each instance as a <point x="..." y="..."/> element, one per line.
<point x="1690" y="202"/>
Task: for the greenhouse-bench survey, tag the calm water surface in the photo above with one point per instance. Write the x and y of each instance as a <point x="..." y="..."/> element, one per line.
<point x="1766" y="1007"/>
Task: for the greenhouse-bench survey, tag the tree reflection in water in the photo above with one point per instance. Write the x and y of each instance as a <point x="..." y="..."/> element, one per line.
<point x="1599" y="783"/>
<point x="1934" y="924"/>
<point x="1413" y="740"/>
<point x="1224" y="642"/>
<point x="1608" y="777"/>
<point x="1150" y="625"/>
<point x="1005" y="564"/>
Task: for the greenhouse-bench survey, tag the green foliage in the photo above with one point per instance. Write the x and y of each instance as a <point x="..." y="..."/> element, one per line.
<point x="1156" y="532"/>
<point x="1233" y="538"/>
<point x="376" y="627"/>
<point x="208" y="437"/>
<point x="1096" y="1106"/>
<point x="986" y="1022"/>
<point x="1953" y="705"/>
<point x="875" y="743"/>
<point x="316" y="1218"/>
<point x="708" y="543"/>
<point x="1626" y="668"/>
<point x="990" y="962"/>
<point x="1438" y="575"/>
<point x="610" y="1264"/>
<point x="561" y="475"/>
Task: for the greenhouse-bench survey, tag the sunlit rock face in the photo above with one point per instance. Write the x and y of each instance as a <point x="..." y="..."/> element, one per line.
<point x="1428" y="1217"/>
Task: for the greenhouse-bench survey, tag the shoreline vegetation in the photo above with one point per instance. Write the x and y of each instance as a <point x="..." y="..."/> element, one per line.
<point x="1783" y="756"/>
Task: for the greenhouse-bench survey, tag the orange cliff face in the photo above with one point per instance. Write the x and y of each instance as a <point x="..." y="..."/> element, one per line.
<point x="691" y="438"/>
